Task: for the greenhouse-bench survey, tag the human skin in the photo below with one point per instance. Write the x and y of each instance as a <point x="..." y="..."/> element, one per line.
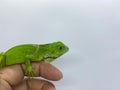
<point x="12" y="77"/>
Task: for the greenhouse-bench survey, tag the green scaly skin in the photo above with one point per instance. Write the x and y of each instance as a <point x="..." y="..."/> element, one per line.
<point x="27" y="53"/>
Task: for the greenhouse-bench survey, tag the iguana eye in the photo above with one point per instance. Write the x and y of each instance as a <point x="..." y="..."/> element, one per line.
<point x="60" y="48"/>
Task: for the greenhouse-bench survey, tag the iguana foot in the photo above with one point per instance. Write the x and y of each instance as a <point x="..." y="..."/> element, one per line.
<point x="30" y="72"/>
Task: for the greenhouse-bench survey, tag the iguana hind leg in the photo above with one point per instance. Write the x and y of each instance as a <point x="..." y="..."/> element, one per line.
<point x="2" y="59"/>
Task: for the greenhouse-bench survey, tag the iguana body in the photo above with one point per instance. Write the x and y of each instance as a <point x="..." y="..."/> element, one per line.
<point x="27" y="53"/>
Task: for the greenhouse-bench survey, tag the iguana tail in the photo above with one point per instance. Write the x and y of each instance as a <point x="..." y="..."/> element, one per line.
<point x="2" y="59"/>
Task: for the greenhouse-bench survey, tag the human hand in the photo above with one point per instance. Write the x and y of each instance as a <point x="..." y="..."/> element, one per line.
<point x="12" y="77"/>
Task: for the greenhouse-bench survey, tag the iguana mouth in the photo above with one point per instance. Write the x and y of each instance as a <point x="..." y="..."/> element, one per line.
<point x="50" y="57"/>
<point x="47" y="56"/>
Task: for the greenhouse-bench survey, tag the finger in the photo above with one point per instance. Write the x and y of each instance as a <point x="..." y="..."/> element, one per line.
<point x="46" y="70"/>
<point x="4" y="85"/>
<point x="34" y="84"/>
<point x="12" y="74"/>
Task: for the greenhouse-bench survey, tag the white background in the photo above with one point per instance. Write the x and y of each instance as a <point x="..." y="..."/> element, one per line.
<point x="91" y="29"/>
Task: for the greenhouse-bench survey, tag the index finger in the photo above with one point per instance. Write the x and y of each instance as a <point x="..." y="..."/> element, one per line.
<point x="45" y="70"/>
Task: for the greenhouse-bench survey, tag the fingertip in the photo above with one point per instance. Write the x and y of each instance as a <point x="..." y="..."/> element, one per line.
<point x="48" y="86"/>
<point x="58" y="74"/>
<point x="50" y="72"/>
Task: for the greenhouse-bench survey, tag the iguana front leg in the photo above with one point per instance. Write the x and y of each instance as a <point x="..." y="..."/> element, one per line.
<point x="29" y="68"/>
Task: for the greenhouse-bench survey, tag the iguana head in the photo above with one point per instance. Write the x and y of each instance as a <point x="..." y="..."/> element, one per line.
<point x="54" y="50"/>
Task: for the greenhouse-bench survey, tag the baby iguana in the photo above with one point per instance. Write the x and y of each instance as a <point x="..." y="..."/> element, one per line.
<point x="27" y="53"/>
